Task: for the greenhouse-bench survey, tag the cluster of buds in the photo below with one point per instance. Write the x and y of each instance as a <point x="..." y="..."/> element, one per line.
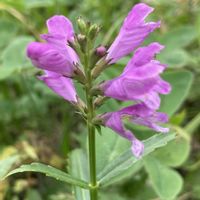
<point x="66" y="56"/>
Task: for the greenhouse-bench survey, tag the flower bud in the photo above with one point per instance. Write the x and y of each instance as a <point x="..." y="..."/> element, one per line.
<point x="101" y="51"/>
<point x="99" y="67"/>
<point x="82" y="40"/>
<point x="82" y="26"/>
<point x="78" y="74"/>
<point x="93" y="31"/>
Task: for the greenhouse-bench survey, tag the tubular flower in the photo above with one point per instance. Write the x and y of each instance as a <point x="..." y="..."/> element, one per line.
<point x="132" y="33"/>
<point x="140" y="80"/>
<point x="56" y="58"/>
<point x="61" y="85"/>
<point x="63" y="52"/>
<point x="138" y="114"/>
<point x="55" y="55"/>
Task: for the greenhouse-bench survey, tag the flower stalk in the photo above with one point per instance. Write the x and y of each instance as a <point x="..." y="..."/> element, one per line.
<point x="90" y="127"/>
<point x="66" y="57"/>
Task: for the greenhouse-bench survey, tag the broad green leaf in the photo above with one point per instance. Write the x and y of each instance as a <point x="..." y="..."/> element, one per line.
<point x="181" y="82"/>
<point x="175" y="153"/>
<point x="7" y="32"/>
<point x="166" y="182"/>
<point x="176" y="58"/>
<point x="179" y="37"/>
<point x="79" y="168"/>
<point x="108" y="146"/>
<point x="51" y="172"/>
<point x="126" y="159"/>
<point x="14" y="58"/>
<point x="6" y="165"/>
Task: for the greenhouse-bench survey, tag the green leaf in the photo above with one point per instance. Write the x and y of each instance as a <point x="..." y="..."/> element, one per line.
<point x="179" y="37"/>
<point x="79" y="168"/>
<point x="166" y="182"/>
<point x="181" y="82"/>
<point x="175" y="153"/>
<point x="14" y="58"/>
<point x="126" y="160"/>
<point x="7" y="32"/>
<point x="108" y="146"/>
<point x="6" y="165"/>
<point x="176" y="58"/>
<point x="51" y="172"/>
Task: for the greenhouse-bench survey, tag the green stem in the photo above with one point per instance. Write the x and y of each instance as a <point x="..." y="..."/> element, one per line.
<point x="91" y="132"/>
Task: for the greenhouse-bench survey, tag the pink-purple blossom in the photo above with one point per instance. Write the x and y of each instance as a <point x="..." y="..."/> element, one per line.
<point x="61" y="85"/>
<point x="140" y="80"/>
<point x="56" y="57"/>
<point x="137" y="114"/>
<point x="132" y="33"/>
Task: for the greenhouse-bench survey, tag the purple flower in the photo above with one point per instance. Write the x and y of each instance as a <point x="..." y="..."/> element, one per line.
<point x="137" y="114"/>
<point x="55" y="55"/>
<point x="140" y="80"/>
<point x="61" y="85"/>
<point x="132" y="33"/>
<point x="56" y="58"/>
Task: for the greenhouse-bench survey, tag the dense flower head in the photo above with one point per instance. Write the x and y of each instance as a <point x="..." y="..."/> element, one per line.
<point x="61" y="54"/>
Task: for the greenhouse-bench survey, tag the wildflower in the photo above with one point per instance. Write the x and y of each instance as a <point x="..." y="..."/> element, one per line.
<point x="132" y="33"/>
<point x="140" y="80"/>
<point x="55" y="55"/>
<point x="61" y="85"/>
<point x="138" y="114"/>
<point x="64" y="52"/>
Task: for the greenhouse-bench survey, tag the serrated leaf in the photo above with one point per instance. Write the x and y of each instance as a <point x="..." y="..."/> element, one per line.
<point x="51" y="172"/>
<point x="181" y="82"/>
<point x="79" y="168"/>
<point x="166" y="182"/>
<point x="127" y="160"/>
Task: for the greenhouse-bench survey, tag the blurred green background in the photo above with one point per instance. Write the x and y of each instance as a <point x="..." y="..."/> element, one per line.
<point x="40" y="126"/>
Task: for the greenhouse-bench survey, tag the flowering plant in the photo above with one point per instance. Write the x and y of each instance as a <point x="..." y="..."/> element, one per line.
<point x="65" y="57"/>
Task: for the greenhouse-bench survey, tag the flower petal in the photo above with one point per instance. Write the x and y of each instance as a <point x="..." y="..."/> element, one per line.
<point x="144" y="57"/>
<point x="143" y="115"/>
<point x="125" y="88"/>
<point x="62" y="26"/>
<point x="114" y="121"/>
<point x="46" y="56"/>
<point x="132" y="33"/>
<point x="162" y="87"/>
<point x="137" y="148"/>
<point x="60" y="85"/>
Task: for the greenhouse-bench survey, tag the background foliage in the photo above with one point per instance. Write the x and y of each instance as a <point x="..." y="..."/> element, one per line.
<point x="38" y="126"/>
